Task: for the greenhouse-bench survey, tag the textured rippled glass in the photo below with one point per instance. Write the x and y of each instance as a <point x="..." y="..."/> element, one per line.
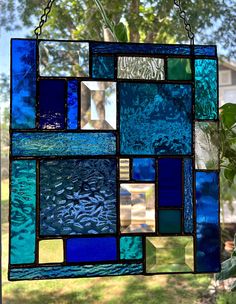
<point x="51" y="251"/>
<point x="206" y="89"/>
<point x="140" y="68"/>
<point x="155" y="119"/>
<point x="169" y="254"/>
<point x="144" y="169"/>
<point x="98" y="105"/>
<point x="188" y="195"/>
<point x="124" y="167"/>
<point x="205" y="50"/>
<point x="23" y="71"/>
<point x="63" y="58"/>
<point x="206" y="145"/>
<point x="131" y="248"/>
<point x="207" y="218"/>
<point x="56" y="272"/>
<point x="72" y="104"/>
<point x="78" y="196"/>
<point x="52" y="99"/>
<point x="47" y="144"/>
<point x="103" y="67"/>
<point x="96" y="249"/>
<point x="179" y="69"/>
<point x="137" y="208"/>
<point x="23" y="213"/>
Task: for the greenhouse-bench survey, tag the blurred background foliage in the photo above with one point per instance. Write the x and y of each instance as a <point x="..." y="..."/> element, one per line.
<point x="213" y="22"/>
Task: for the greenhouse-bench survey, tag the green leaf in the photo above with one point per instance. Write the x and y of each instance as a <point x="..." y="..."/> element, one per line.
<point x="121" y="32"/>
<point x="228" y="114"/>
<point x="228" y="269"/>
<point x="229" y="174"/>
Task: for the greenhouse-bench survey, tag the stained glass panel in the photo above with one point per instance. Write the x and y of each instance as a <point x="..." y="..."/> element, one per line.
<point x="114" y="159"/>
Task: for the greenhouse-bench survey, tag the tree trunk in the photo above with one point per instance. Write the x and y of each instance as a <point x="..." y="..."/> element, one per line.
<point x="133" y="21"/>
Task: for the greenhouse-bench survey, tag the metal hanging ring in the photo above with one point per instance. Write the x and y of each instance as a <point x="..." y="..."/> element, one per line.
<point x="47" y="10"/>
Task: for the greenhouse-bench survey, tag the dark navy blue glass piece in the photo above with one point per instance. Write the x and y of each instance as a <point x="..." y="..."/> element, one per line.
<point x="144" y="169"/>
<point x="52" y="98"/>
<point x="23" y="77"/>
<point x="207" y="218"/>
<point x="103" y="67"/>
<point x="72" y="104"/>
<point x="202" y="50"/>
<point x="91" y="249"/>
<point x="155" y="118"/>
<point x="170" y="182"/>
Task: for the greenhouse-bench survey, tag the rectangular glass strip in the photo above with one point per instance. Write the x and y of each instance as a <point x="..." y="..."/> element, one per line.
<point x="23" y="212"/>
<point x="188" y="195"/>
<point x="75" y="271"/>
<point x="54" y="144"/>
<point x="124" y="169"/>
<point x="23" y="83"/>
<point x="206" y="94"/>
<point x="72" y="104"/>
<point x="207" y="222"/>
<point x="204" y="50"/>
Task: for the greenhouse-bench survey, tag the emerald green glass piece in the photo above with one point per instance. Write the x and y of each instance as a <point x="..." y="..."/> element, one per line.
<point x="131" y="247"/>
<point x="169" y="221"/>
<point x="169" y="254"/>
<point x="179" y="69"/>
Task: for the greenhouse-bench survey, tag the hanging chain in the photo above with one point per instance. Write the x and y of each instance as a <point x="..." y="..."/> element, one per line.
<point x="43" y="19"/>
<point x="183" y="16"/>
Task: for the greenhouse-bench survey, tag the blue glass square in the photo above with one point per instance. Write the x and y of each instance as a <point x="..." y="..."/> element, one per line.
<point x="103" y="67"/>
<point x="155" y="118"/>
<point x="91" y="249"/>
<point x="144" y="169"/>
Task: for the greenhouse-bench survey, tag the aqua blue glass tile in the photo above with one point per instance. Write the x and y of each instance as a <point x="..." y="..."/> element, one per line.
<point x="188" y="195"/>
<point x="138" y="48"/>
<point x="72" y="104"/>
<point x="204" y="50"/>
<point x="155" y="119"/>
<point x="23" y="77"/>
<point x="131" y="248"/>
<point x="95" y="249"/>
<point x="103" y="67"/>
<point x="52" y="97"/>
<point x="206" y="89"/>
<point x="86" y="187"/>
<point x="23" y="213"/>
<point x="54" y="272"/>
<point x="59" y="144"/>
<point x="144" y="169"/>
<point x="170" y="182"/>
<point x="207" y="222"/>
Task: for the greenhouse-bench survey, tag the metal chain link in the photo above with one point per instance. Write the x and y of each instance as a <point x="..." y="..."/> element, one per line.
<point x="182" y="14"/>
<point x="187" y="25"/>
<point x="43" y="19"/>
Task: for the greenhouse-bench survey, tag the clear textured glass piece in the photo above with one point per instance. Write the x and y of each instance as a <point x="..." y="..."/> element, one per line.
<point x="98" y="105"/>
<point x="140" y="68"/>
<point x="63" y="58"/>
<point x="169" y="254"/>
<point x="137" y="208"/>
<point x="51" y="251"/>
<point x="206" y="145"/>
<point x="124" y="169"/>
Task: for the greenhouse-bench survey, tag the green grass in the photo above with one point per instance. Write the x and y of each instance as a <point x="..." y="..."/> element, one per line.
<point x="164" y="289"/>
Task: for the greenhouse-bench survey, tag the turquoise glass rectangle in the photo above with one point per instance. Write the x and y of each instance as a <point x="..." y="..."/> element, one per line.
<point x="59" y="144"/>
<point x="188" y="195"/>
<point x="56" y="272"/>
<point x="72" y="104"/>
<point x="206" y="91"/>
<point x="207" y="222"/>
<point x="23" y="212"/>
<point x="23" y="82"/>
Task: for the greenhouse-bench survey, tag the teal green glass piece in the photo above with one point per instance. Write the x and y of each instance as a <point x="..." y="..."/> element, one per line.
<point x="169" y="221"/>
<point x="206" y="89"/>
<point x="131" y="248"/>
<point x="23" y="213"/>
<point x="179" y="69"/>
